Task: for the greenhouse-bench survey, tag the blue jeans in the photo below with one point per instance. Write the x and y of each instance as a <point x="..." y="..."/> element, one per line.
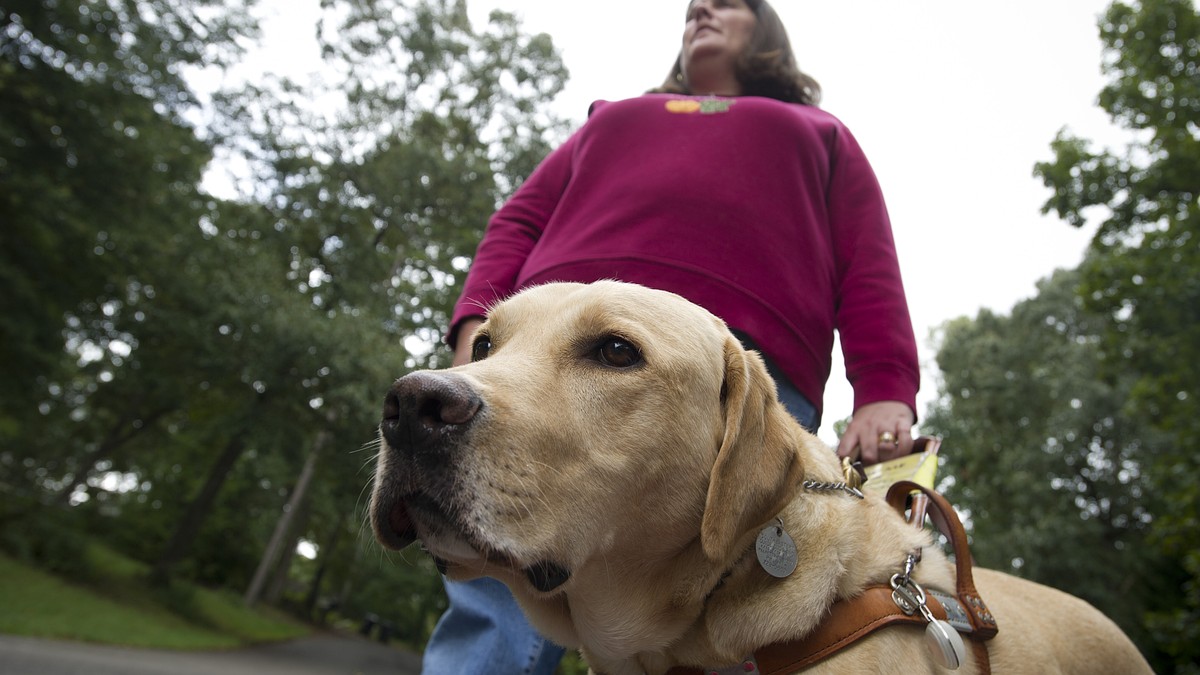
<point x="791" y="398"/>
<point x="484" y="631"/>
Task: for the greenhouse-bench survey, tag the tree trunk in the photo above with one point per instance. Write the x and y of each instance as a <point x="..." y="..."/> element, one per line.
<point x="347" y="583"/>
<point x="279" y="576"/>
<point x="189" y="526"/>
<point x="324" y="555"/>
<point x="285" y="521"/>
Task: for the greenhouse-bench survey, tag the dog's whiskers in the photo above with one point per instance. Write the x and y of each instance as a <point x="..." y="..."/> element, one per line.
<point x="548" y="467"/>
<point x="523" y="495"/>
<point x="375" y="443"/>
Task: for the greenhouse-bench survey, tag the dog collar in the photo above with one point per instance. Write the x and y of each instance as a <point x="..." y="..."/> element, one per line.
<point x="852" y="481"/>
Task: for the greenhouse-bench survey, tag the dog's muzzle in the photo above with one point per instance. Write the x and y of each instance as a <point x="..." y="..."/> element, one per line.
<point x="424" y="416"/>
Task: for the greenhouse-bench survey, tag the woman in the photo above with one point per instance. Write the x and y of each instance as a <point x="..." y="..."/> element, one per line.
<point x="729" y="187"/>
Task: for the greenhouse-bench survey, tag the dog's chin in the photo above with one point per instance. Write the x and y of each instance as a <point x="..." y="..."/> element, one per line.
<point x="459" y="548"/>
<point x="470" y="558"/>
<point x="400" y="521"/>
<point x="441" y="530"/>
<point x="545" y="577"/>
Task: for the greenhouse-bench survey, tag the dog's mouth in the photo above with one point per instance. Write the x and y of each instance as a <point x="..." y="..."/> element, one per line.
<point x="400" y="530"/>
<point x="440" y="529"/>
<point x="404" y="519"/>
<point x="419" y="516"/>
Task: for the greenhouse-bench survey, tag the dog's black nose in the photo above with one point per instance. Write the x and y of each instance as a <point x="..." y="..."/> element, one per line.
<point x="422" y="408"/>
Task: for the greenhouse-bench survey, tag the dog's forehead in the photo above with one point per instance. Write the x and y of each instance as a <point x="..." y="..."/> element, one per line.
<point x="605" y="304"/>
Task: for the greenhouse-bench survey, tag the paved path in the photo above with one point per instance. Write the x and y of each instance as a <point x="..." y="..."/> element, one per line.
<point x="320" y="654"/>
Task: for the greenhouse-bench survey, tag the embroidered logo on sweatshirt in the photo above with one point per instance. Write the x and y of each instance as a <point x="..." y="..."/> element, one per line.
<point x="708" y="106"/>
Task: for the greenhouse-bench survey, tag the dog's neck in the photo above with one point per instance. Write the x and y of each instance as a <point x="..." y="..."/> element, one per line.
<point x="829" y="528"/>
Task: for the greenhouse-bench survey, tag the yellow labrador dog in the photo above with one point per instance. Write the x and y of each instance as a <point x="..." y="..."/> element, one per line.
<point x="613" y="455"/>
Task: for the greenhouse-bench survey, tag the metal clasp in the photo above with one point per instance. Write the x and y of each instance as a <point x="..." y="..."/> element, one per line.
<point x="907" y="594"/>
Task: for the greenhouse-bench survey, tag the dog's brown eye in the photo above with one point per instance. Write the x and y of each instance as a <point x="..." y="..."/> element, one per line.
<point x="618" y="353"/>
<point x="481" y="348"/>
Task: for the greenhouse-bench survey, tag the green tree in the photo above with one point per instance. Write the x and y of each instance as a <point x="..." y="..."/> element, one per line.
<point x="381" y="223"/>
<point x="437" y="123"/>
<point x="97" y="165"/>
<point x="179" y="354"/>
<point x="385" y="201"/>
<point x="1044" y="456"/>
<point x="1143" y="270"/>
<point x="105" y="336"/>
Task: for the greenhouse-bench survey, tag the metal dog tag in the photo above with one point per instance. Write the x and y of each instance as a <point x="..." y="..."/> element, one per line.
<point x="776" y="551"/>
<point x="945" y="644"/>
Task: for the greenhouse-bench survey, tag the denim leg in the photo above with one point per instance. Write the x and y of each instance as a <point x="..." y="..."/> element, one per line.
<point x="484" y="631"/>
<point x="799" y="406"/>
<point x="796" y="403"/>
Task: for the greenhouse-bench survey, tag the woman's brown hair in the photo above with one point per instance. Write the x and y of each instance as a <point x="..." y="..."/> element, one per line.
<point x="768" y="68"/>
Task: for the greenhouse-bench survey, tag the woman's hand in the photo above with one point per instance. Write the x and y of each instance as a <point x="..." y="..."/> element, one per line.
<point x="878" y="432"/>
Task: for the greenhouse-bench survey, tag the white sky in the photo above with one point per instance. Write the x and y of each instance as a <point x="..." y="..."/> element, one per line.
<point x="952" y="100"/>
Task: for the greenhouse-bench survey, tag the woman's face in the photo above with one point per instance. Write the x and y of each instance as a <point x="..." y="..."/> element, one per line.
<point x="717" y="31"/>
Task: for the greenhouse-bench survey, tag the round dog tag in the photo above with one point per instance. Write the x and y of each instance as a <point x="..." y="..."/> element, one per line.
<point x="945" y="644"/>
<point x="776" y="551"/>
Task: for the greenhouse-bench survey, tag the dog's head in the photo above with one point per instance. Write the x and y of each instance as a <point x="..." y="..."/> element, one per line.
<point x="602" y="434"/>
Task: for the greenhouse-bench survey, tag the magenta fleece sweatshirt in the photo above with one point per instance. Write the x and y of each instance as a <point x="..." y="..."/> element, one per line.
<point x="765" y="213"/>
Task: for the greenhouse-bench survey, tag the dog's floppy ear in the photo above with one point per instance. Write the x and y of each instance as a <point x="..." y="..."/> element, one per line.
<point x="758" y="465"/>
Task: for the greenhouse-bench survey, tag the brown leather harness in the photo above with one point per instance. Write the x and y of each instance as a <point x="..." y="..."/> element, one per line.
<point x="875" y="608"/>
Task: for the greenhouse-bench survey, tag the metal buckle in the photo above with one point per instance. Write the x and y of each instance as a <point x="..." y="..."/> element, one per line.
<point x="907" y="594"/>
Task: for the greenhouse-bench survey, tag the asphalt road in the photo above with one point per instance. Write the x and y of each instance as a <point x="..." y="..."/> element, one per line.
<point x="321" y="654"/>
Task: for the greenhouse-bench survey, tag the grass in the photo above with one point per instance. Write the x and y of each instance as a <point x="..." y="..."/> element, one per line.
<point x="115" y="605"/>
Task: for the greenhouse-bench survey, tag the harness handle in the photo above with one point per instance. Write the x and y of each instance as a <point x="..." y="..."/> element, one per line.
<point x="943" y="514"/>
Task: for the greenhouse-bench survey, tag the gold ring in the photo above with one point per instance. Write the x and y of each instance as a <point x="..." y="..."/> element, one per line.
<point x="887" y="437"/>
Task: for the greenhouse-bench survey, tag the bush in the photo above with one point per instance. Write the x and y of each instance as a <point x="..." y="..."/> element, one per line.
<point x="45" y="536"/>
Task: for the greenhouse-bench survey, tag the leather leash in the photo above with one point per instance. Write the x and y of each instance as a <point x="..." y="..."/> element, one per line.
<point x="851" y="620"/>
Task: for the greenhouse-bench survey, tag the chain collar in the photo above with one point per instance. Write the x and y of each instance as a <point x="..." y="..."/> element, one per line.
<point x="853" y="475"/>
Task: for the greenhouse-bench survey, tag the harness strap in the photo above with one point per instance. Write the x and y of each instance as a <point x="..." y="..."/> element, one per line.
<point x="848" y="622"/>
<point x="853" y="619"/>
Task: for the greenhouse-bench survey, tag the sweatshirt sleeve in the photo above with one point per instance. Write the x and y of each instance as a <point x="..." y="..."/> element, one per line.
<point x="510" y="236"/>
<point x="872" y="313"/>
